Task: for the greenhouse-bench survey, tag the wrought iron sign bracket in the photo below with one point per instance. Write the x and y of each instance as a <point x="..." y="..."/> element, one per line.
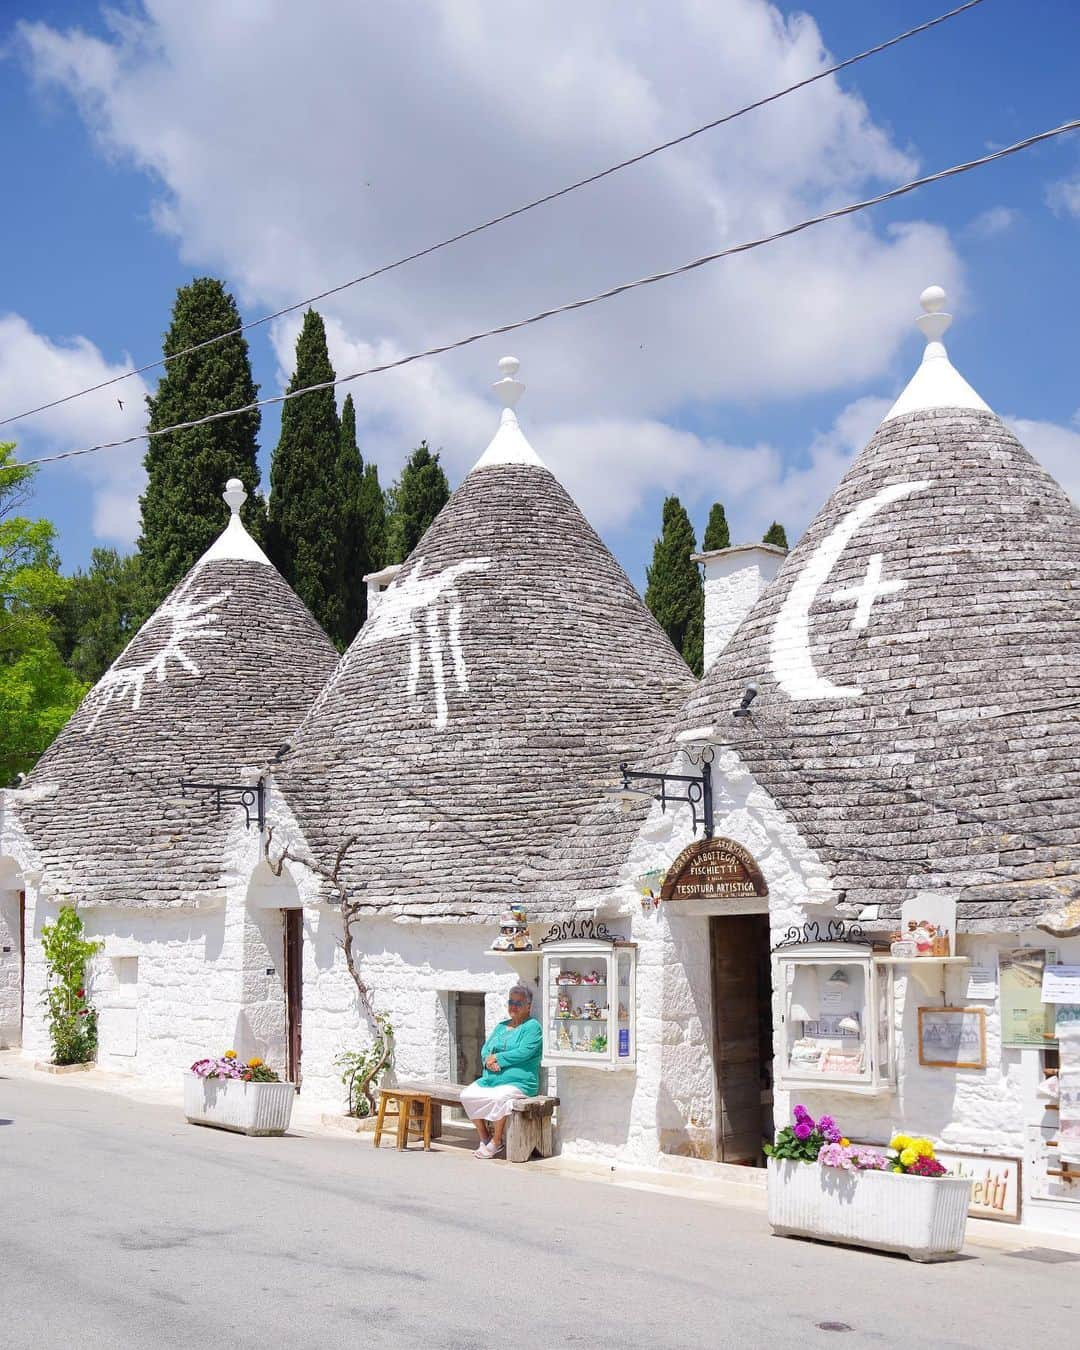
<point x="698" y="794"/>
<point x="252" y="797"/>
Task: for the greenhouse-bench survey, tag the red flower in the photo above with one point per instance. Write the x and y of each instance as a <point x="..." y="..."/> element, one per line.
<point x="80" y="993"/>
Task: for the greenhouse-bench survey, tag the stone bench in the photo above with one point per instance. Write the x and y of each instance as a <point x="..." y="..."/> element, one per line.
<point x="528" y="1131"/>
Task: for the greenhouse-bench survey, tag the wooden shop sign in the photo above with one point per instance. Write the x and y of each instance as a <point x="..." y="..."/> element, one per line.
<point x="713" y="869"/>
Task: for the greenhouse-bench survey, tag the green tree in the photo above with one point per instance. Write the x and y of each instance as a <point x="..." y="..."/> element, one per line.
<point x="182" y="509"/>
<point x="373" y="509"/>
<point x="776" y="534"/>
<point x="674" y="590"/>
<point x="414" y="501"/>
<point x="306" y="520"/>
<point x="101" y="612"/>
<point x="716" y="531"/>
<point x="356" y="556"/>
<point x="37" y="691"/>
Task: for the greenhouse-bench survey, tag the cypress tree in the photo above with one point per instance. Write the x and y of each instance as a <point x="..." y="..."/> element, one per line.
<point x="373" y="510"/>
<point x="182" y="509"/>
<point x="305" y="521"/>
<point x="776" y="534"/>
<point x="716" y="531"/>
<point x="674" y="592"/>
<point x="355" y="555"/>
<point x="415" y="500"/>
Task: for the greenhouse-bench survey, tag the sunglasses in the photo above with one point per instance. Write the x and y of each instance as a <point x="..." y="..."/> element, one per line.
<point x="516" y="1003"/>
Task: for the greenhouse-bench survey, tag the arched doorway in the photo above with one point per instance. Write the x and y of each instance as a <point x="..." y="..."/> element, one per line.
<point x="12" y="954"/>
<point x="273" y="970"/>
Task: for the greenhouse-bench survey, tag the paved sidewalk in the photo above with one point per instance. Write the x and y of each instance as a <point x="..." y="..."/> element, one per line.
<point x="126" y="1227"/>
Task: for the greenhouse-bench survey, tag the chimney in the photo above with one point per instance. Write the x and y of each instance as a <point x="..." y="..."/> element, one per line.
<point x="377" y="582"/>
<point x="734" y="579"/>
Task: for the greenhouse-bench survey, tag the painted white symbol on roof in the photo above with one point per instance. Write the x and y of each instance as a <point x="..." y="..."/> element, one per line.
<point x="789" y="651"/>
<point x="190" y="620"/>
<point x="414" y="608"/>
<point x="867" y="591"/>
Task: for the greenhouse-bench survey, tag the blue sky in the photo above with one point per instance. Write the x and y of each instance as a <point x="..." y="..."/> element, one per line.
<point x="287" y="160"/>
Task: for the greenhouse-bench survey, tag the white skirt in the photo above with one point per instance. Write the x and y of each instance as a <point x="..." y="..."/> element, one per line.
<point x="488" y="1103"/>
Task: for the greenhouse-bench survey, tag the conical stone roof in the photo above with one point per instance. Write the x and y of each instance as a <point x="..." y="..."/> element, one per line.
<point x="917" y="662"/>
<point x="505" y="673"/>
<point x="208" y="689"/>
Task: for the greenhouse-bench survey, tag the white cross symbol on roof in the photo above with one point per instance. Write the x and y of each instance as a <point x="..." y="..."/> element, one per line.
<point x="867" y="592"/>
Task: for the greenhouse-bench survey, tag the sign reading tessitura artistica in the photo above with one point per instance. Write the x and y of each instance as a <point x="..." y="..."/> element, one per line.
<point x="713" y="869"/>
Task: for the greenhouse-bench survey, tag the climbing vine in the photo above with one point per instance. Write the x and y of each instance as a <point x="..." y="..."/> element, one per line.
<point x="72" y="1019"/>
<point x="360" y="1069"/>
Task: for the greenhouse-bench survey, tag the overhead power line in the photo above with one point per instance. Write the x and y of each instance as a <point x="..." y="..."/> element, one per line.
<point x="891" y="195"/>
<point x="506" y="215"/>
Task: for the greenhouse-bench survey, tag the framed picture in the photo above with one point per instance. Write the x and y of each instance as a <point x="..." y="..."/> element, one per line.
<point x="1025" y="1019"/>
<point x="952" y="1038"/>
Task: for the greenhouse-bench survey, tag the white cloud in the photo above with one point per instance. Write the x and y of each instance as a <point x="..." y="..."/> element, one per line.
<point x="351" y="140"/>
<point x="1064" y="197"/>
<point x="1057" y="448"/>
<point x="35" y="369"/>
<point x="993" y="221"/>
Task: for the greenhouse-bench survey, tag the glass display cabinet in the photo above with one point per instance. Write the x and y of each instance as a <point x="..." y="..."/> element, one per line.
<point x="838" y="1027"/>
<point x="588" y="1005"/>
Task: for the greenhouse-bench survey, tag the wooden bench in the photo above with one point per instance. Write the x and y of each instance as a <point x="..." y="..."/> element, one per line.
<point x="528" y="1131"/>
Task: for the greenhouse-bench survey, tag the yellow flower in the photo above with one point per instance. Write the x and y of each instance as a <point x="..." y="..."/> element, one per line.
<point x="897" y="1169"/>
<point x="899" y="1141"/>
<point x="923" y="1147"/>
<point x="845" y="1143"/>
<point x="255" y="1063"/>
<point x="229" y="1054"/>
<point x="908" y="1157"/>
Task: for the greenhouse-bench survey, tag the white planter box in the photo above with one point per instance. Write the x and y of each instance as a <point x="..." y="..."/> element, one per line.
<point x="923" y="1217"/>
<point x="229" y="1104"/>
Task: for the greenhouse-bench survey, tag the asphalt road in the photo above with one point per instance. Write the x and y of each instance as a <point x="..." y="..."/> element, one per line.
<point x="121" y="1226"/>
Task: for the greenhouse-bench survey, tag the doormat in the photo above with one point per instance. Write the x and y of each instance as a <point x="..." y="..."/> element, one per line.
<point x="1048" y="1255"/>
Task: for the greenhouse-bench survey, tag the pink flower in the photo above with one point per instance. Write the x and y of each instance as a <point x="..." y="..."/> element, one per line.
<point x="803" y="1129"/>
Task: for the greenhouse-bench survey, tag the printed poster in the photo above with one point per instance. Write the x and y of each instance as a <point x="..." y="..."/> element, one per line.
<point x="1025" y="1020"/>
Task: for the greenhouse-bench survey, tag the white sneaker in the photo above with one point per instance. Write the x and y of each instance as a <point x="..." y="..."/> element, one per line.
<point x="486" y="1150"/>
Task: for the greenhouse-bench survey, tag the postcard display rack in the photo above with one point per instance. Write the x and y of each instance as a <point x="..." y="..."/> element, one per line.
<point x="589" y="995"/>
<point x="838" y="1026"/>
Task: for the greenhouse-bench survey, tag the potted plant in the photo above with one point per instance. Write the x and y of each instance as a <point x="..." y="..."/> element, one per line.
<point x="231" y="1095"/>
<point x="901" y="1199"/>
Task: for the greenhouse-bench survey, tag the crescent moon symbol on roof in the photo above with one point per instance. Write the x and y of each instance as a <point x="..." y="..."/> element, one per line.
<point x="789" y="649"/>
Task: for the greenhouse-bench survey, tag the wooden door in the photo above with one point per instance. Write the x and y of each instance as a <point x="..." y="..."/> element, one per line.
<point x="742" y="1034"/>
<point x="294" y="991"/>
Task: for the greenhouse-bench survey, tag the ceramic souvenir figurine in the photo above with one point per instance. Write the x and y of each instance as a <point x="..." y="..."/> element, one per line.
<point x="591" y="1009"/>
<point x="565" y="1009"/>
<point x="922" y="934"/>
<point x="513" y="933"/>
<point x="565" y="1043"/>
<point x="593" y="977"/>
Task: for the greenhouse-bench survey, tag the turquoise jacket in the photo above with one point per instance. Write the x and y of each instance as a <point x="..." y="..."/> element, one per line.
<point x="518" y="1051"/>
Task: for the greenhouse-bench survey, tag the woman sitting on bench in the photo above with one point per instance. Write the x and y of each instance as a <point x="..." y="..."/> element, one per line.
<point x="511" y="1057"/>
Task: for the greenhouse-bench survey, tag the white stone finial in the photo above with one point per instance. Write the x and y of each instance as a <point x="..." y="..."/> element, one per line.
<point x="234" y="495"/>
<point x="508" y="445"/>
<point x="934" y="322"/>
<point x="508" y="389"/>
<point x="936" y="383"/>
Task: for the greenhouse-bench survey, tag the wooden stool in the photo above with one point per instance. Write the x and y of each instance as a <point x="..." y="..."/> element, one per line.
<point x="404" y="1103"/>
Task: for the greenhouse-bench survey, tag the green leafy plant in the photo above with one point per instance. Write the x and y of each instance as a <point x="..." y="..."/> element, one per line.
<point x="72" y="1020"/>
<point x="361" y="1069"/>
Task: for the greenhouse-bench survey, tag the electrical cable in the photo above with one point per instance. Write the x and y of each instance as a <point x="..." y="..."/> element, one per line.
<point x="507" y="215"/>
<point x="891" y="195"/>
